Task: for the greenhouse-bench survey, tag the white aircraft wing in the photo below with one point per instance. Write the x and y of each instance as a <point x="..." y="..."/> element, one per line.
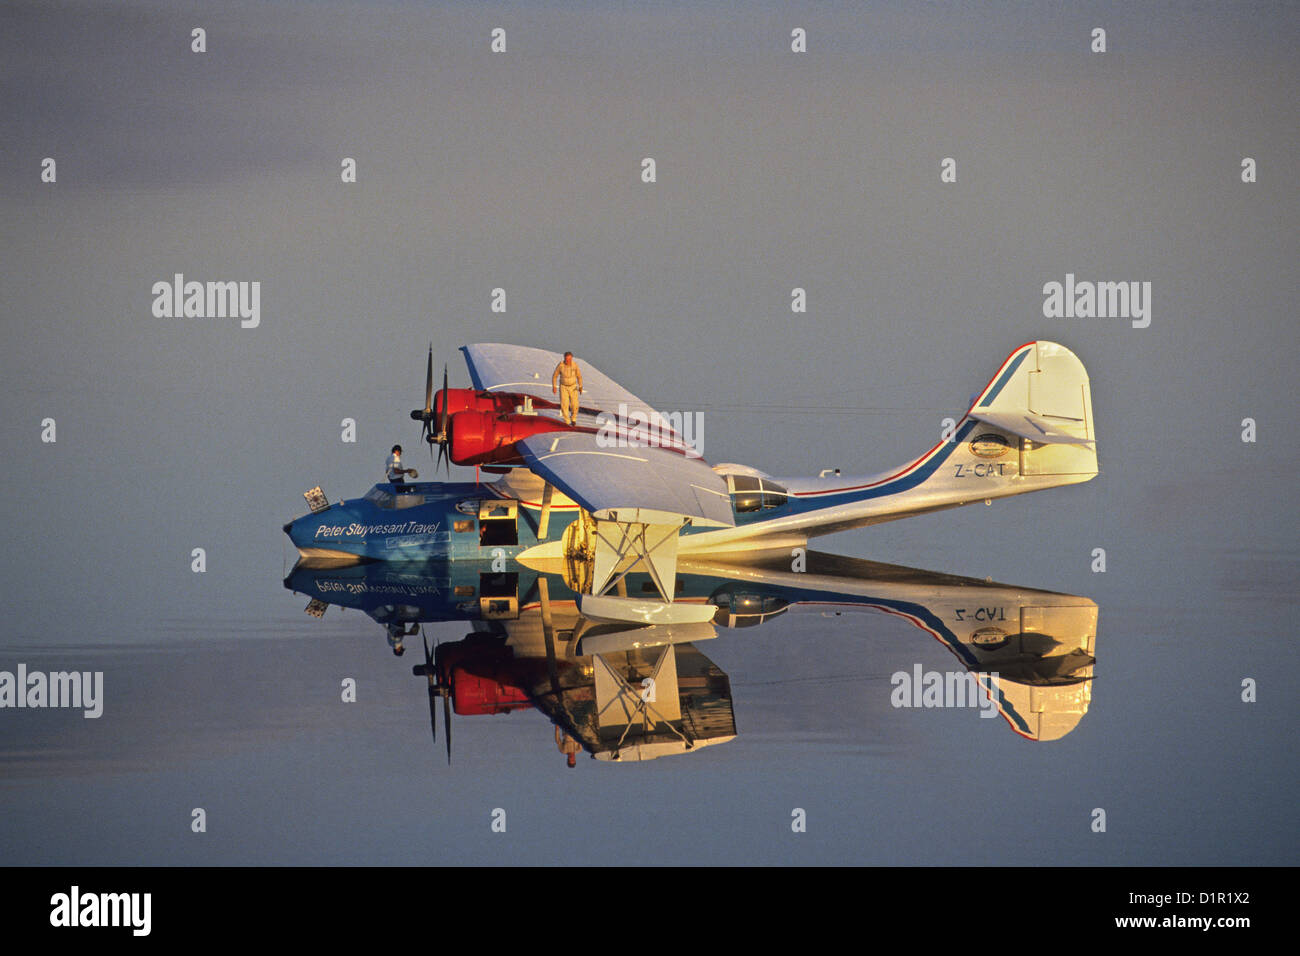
<point x="497" y="367"/>
<point x="638" y="485"/>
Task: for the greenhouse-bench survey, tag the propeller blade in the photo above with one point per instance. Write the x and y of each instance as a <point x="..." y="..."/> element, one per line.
<point x="426" y="416"/>
<point x="442" y="415"/>
<point x="431" y="673"/>
<point x="446" y="720"/>
<point x="428" y="386"/>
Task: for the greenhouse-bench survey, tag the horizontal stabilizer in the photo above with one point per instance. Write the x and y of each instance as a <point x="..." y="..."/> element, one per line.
<point x="1035" y="427"/>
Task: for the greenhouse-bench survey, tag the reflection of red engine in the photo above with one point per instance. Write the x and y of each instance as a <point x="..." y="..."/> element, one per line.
<point x="476" y="694"/>
<point x="480" y="438"/>
<point x="481" y="677"/>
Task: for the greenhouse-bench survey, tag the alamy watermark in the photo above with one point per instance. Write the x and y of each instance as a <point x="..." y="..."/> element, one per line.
<point x="208" y="300"/>
<point x="37" y="689"/>
<point x="945" y="689"/>
<point x="638" y="428"/>
<point x="75" y="908"/>
<point x="1100" y="300"/>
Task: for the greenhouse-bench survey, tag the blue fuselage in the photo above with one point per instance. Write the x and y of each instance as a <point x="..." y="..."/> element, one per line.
<point x="432" y="521"/>
<point x="438" y="521"/>
<point x="422" y="521"/>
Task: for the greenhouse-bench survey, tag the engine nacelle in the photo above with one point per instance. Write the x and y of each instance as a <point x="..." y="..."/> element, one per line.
<point x="482" y="674"/>
<point x="490" y="693"/>
<point x="481" y="438"/>
<point x="468" y="400"/>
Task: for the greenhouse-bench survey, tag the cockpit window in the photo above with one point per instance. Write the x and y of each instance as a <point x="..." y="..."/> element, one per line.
<point x="753" y="494"/>
<point x="774" y="495"/>
<point x="379" y="497"/>
<point x="746" y="493"/>
<point x="744" y="609"/>
<point x="382" y="498"/>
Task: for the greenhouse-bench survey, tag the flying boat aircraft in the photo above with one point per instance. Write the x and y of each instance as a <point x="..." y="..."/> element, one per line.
<point x="622" y="489"/>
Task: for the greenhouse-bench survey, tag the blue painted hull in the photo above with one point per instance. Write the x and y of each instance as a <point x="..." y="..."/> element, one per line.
<point x="444" y="526"/>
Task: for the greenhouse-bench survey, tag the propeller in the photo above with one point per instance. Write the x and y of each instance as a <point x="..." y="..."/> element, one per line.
<point x="446" y="720"/>
<point x="441" y="439"/>
<point x="426" y="415"/>
<point x="437" y="689"/>
<point x="428" y="396"/>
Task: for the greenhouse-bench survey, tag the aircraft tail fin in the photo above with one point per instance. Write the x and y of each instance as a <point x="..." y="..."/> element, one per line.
<point x="1029" y="429"/>
<point x="1040" y="401"/>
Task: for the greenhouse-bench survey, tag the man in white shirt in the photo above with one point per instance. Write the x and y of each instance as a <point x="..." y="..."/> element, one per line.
<point x="395" y="469"/>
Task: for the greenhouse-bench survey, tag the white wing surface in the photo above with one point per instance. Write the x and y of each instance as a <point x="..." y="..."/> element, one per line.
<point x="497" y="367"/>
<point x="640" y="485"/>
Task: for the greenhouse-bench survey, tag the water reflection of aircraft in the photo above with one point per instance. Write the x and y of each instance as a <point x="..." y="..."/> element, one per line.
<point x="624" y="488"/>
<point x="624" y="691"/>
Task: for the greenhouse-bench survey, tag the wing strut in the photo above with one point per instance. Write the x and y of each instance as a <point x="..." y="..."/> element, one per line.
<point x="548" y="633"/>
<point x="622" y="546"/>
<point x="626" y="546"/>
<point x="544" y="522"/>
<point x="629" y="705"/>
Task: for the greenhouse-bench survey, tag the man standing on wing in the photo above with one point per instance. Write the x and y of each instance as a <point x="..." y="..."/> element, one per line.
<point x="569" y="377"/>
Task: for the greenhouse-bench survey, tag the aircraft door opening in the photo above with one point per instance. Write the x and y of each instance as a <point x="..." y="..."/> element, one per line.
<point x="498" y="596"/>
<point x="498" y="524"/>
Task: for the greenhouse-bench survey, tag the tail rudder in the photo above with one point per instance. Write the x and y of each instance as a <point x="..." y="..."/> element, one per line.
<point x="1029" y="429"/>
<point x="1040" y="403"/>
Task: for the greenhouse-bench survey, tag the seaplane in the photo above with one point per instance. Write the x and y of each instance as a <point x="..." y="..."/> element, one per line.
<point x="623" y="489"/>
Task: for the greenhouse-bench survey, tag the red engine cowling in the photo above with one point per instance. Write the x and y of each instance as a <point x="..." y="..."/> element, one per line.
<point x="468" y="400"/>
<point x="485" y="693"/>
<point x="481" y="438"/>
<point x="483" y="674"/>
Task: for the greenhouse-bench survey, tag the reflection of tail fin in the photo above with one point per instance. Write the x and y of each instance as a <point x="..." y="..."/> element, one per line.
<point x="1040" y="401"/>
<point x="1045" y="671"/>
<point x="1031" y="653"/>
